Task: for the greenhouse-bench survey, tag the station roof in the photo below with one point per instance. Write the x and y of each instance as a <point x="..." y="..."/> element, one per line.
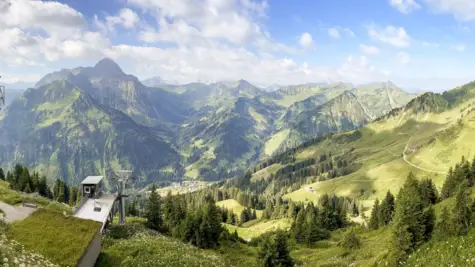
<point x="92" y="180"/>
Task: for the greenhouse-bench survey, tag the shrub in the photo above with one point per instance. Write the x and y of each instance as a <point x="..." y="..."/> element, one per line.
<point x="350" y="240"/>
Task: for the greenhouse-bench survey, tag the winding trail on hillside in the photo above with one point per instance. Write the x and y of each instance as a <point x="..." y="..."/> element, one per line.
<point x="415" y="166"/>
<point x="13" y="213"/>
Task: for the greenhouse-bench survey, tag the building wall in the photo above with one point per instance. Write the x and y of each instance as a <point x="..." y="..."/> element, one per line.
<point x="92" y="252"/>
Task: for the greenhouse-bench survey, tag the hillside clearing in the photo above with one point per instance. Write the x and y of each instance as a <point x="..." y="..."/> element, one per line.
<point x="232" y="204"/>
<point x="259" y="228"/>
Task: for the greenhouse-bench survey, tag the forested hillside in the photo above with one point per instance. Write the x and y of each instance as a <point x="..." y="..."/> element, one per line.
<point x="83" y="121"/>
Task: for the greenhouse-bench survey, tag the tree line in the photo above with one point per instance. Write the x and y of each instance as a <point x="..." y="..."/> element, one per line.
<point x="411" y="215"/>
<point x="190" y="218"/>
<point x="23" y="180"/>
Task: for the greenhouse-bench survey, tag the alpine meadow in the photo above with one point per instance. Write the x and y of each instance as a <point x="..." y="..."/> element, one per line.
<point x="245" y="133"/>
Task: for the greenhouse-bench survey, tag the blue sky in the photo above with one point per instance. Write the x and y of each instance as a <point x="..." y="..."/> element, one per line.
<point x="418" y="44"/>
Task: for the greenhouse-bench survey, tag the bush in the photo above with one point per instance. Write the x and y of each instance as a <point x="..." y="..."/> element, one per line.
<point x="350" y="240"/>
<point x="124" y="231"/>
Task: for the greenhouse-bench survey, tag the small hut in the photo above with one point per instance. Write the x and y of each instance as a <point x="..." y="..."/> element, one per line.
<point x="92" y="186"/>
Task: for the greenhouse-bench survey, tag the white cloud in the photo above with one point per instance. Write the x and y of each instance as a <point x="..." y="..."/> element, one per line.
<point x="459" y="47"/>
<point x="207" y="42"/>
<point x="229" y="20"/>
<point x="306" y="40"/>
<point x="403" y="58"/>
<point x="430" y="44"/>
<point x="461" y="9"/>
<point x="369" y="49"/>
<point x="19" y="77"/>
<point x="334" y="33"/>
<point x="125" y="18"/>
<point x="397" y="37"/>
<point x="56" y="19"/>
<point x="404" y="6"/>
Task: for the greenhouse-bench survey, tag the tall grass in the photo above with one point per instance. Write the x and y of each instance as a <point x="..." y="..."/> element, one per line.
<point x="62" y="239"/>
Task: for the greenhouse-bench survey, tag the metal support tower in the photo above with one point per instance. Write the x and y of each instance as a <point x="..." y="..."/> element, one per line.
<point x="2" y="95"/>
<point x="121" y="177"/>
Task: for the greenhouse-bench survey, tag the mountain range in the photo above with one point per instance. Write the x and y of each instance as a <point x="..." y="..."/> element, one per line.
<point x="82" y="121"/>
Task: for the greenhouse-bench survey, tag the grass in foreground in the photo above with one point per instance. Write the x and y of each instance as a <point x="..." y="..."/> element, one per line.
<point x="133" y="245"/>
<point x="455" y="251"/>
<point x="13" y="254"/>
<point x="62" y="239"/>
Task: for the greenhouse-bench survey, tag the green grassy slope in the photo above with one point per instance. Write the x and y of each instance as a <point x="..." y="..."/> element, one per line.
<point x="62" y="239"/>
<point x="333" y="108"/>
<point x="258" y="228"/>
<point x="232" y="204"/>
<point x="431" y="131"/>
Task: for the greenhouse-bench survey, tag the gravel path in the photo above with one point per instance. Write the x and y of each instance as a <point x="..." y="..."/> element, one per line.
<point x="13" y="213"/>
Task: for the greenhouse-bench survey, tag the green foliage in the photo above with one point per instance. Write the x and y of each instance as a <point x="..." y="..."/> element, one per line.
<point x="462" y="210"/>
<point x="145" y="249"/>
<point x="314" y="223"/>
<point x="62" y="239"/>
<point x="451" y="251"/>
<point x="374" y="219"/>
<point x="14" y="254"/>
<point x="275" y="252"/>
<point x="462" y="171"/>
<point x="386" y="210"/>
<point x="413" y="220"/>
<point x="444" y="227"/>
<point x="154" y="215"/>
<point x="350" y="240"/>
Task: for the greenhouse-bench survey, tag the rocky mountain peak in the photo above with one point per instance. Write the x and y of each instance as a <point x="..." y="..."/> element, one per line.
<point x="107" y="67"/>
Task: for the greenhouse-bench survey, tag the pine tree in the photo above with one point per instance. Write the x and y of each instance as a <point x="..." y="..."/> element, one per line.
<point x="10" y="178"/>
<point x="354" y="209"/>
<point x="275" y="252"/>
<point x="313" y="230"/>
<point x="232" y="218"/>
<point x="244" y="216"/>
<point x="2" y="175"/>
<point x="428" y="192"/>
<point x="210" y="228"/>
<point x="73" y="196"/>
<point x="413" y="220"/>
<point x="168" y="209"/>
<point x="154" y="216"/>
<point x="374" y="219"/>
<point x="292" y="212"/>
<point x="444" y="227"/>
<point x="386" y="210"/>
<point x="24" y="180"/>
<point x="298" y="227"/>
<point x="282" y="251"/>
<point x="462" y="212"/>
<point x="267" y="214"/>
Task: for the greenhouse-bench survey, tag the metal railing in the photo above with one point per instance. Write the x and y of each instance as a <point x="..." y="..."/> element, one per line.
<point x="79" y="205"/>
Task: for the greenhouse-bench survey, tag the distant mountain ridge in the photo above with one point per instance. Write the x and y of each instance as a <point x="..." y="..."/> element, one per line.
<point x="196" y="130"/>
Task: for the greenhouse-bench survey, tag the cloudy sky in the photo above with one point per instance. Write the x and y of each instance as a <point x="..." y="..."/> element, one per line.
<point x="423" y="44"/>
